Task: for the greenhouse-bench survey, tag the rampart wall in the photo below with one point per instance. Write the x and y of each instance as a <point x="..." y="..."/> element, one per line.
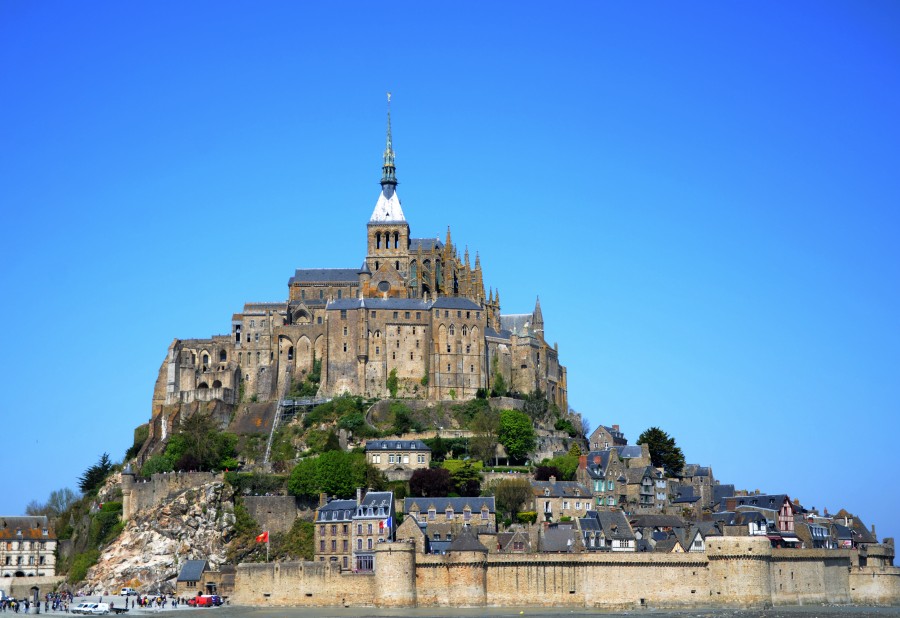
<point x="140" y="494"/>
<point x="272" y="513"/>
<point x="735" y="571"/>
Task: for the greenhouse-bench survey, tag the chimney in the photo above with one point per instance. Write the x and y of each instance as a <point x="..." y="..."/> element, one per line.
<point x="730" y="504"/>
<point x="582" y="462"/>
<point x="359" y="496"/>
<point x="615" y="428"/>
<point x="873" y="532"/>
<point x="597" y="460"/>
<point x="323" y="499"/>
<point x="552" y="480"/>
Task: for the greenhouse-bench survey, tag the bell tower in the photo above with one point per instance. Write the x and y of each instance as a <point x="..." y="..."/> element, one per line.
<point x="387" y="232"/>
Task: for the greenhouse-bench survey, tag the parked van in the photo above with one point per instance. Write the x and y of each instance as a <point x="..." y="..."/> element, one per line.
<point x="127" y="592"/>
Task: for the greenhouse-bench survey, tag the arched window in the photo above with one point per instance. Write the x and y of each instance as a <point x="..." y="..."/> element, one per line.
<point x="465" y="331"/>
<point x="291" y="353"/>
<point x="223" y="356"/>
<point x="368" y="543"/>
<point x="359" y="542"/>
<point x="413" y="272"/>
<point x="378" y="240"/>
<point x="217" y="384"/>
<point x="205" y="358"/>
<point x="452" y="330"/>
<point x="396" y="240"/>
<point x="397" y="265"/>
<point x="203" y="386"/>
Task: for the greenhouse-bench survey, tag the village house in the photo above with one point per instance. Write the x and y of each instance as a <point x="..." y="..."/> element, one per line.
<point x="398" y="459"/>
<point x="478" y="511"/>
<point x="646" y="489"/>
<point x="556" y="501"/>
<point x="604" y="438"/>
<point x="601" y="472"/>
<point x="779" y="512"/>
<point x="607" y="531"/>
<point x="27" y="546"/>
<point x="346" y="531"/>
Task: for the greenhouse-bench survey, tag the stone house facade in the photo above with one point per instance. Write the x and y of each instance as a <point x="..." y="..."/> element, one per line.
<point x="554" y="499"/>
<point x="27" y="547"/>
<point x="398" y="459"/>
<point x="347" y="532"/>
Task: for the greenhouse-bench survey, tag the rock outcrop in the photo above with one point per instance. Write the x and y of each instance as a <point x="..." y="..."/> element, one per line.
<point x="195" y="524"/>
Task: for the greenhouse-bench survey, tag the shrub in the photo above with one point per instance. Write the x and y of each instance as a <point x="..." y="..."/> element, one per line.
<point x="393" y="383"/>
<point x="527" y="517"/>
<point x="81" y="563"/>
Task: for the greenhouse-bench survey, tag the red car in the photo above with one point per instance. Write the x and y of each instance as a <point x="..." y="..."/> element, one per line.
<point x="205" y="600"/>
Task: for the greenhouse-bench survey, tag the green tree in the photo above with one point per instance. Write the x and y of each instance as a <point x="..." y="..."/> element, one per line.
<point x="465" y="475"/>
<point x="198" y="445"/>
<point x="516" y="434"/>
<point x="664" y="453"/>
<point x="486" y="428"/>
<point x="393" y="383"/>
<point x="511" y="494"/>
<point x="335" y="473"/>
<point x="93" y="477"/>
<point x="498" y="386"/>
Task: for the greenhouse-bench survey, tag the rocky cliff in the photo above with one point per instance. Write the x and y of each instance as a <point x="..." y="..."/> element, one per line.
<point x="195" y="524"/>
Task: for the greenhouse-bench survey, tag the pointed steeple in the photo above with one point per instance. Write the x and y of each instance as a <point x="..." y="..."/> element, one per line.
<point x="388" y="171"/>
<point x="537" y="318"/>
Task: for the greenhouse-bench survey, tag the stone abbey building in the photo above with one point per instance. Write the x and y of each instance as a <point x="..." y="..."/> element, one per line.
<point x="413" y="308"/>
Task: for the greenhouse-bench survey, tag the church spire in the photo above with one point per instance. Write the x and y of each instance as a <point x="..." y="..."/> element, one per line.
<point x="388" y="171"/>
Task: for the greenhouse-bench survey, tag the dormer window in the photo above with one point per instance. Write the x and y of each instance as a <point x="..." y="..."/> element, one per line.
<point x="547" y="491"/>
<point x="449" y="512"/>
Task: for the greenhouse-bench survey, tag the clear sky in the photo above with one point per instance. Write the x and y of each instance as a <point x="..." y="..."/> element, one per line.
<point x="705" y="196"/>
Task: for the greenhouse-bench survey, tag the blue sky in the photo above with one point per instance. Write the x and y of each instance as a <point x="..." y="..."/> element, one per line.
<point x="704" y="195"/>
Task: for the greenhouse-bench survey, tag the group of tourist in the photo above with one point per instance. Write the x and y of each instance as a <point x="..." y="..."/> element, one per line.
<point x="57" y="601"/>
<point x="14" y="605"/>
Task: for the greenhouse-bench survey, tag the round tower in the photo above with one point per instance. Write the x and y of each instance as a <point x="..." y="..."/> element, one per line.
<point x="739" y="571"/>
<point x="395" y="575"/>
<point x="127" y="490"/>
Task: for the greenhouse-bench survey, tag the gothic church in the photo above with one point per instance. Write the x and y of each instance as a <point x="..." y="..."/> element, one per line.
<point x="413" y="307"/>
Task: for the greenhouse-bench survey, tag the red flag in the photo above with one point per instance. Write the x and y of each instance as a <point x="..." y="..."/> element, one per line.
<point x="263" y="538"/>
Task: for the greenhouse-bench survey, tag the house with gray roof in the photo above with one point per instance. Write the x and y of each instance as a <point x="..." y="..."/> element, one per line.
<point x="607" y="531"/>
<point x="555" y="500"/>
<point x="601" y="472"/>
<point x="398" y="459"/>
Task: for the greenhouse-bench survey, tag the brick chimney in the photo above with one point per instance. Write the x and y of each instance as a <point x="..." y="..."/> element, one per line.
<point x="730" y="504"/>
<point x="615" y="428"/>
<point x="582" y="462"/>
<point x="552" y="480"/>
<point x="359" y="496"/>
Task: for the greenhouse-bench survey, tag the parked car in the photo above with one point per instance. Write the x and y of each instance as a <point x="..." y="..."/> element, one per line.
<point x="91" y="609"/>
<point x="127" y="592"/>
<point x="205" y="600"/>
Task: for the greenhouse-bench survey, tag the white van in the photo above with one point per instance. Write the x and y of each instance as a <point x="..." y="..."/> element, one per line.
<point x="127" y="592"/>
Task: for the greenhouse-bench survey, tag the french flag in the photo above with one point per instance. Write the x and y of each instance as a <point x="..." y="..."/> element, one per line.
<point x="386" y="524"/>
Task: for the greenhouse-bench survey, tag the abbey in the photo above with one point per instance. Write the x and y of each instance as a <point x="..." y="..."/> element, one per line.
<point x="414" y="313"/>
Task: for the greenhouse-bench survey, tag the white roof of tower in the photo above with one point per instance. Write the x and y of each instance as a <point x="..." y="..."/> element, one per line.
<point x="387" y="209"/>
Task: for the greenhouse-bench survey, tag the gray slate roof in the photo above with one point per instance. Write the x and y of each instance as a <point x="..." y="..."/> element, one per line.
<point x="597" y="462"/>
<point x="192" y="570"/>
<point x="466" y="541"/>
<point x="720" y="492"/>
<point x="558" y="539"/>
<point x="629" y="451"/>
<point x="427" y="244"/>
<point x="377" y="499"/>
<point x="440" y="504"/>
<point x="325" y="275"/>
<point x="560" y="489"/>
<point x="396" y="445"/>
<point x="612" y="523"/>
<point x="455" y="302"/>
<point x="516" y="323"/>
<point x="337" y="510"/>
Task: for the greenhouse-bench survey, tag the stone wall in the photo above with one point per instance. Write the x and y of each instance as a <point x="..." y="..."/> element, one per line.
<point x="273" y="513"/>
<point x="139" y="494"/>
<point x="313" y="584"/>
<point x="805" y="576"/>
<point x="20" y="587"/>
<point x="737" y="572"/>
<point x="875" y="585"/>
